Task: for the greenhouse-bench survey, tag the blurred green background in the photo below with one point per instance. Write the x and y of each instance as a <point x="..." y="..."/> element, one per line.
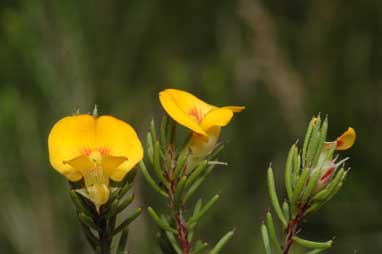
<point x="284" y="60"/>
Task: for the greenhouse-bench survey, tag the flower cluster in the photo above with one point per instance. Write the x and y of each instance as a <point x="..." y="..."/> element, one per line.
<point x="312" y="177"/>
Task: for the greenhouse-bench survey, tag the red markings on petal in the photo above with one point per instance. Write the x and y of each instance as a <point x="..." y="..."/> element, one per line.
<point x="197" y="113"/>
<point x="325" y="177"/>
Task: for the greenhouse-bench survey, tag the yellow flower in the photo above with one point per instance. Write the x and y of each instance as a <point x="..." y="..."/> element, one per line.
<point x="96" y="149"/>
<point x="345" y="141"/>
<point x="203" y="119"/>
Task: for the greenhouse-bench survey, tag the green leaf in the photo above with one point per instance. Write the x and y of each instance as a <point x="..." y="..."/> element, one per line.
<point x="150" y="147"/>
<point x="307" y="139"/>
<point x="122" y="241"/>
<point x="153" y="131"/>
<point x="222" y="242"/>
<point x="323" y="195"/>
<point x="128" y="220"/>
<point x="196" y="172"/>
<point x="160" y="223"/>
<point x="81" y="207"/>
<point x="170" y="236"/>
<point x="323" y="133"/>
<point x="273" y="196"/>
<point x="179" y="191"/>
<point x="203" y="210"/>
<point x="194" y="187"/>
<point x="163" y="132"/>
<point x="311" y="185"/>
<point x="111" y="210"/>
<point x="124" y="190"/>
<point x="296" y="173"/>
<point x="91" y="238"/>
<point x="199" y="247"/>
<point x="157" y="164"/>
<point x="111" y="224"/>
<point x="88" y="221"/>
<point x="272" y="231"/>
<point x="312" y="244"/>
<point x="191" y="228"/>
<point x="286" y="210"/>
<point x="315" y="251"/>
<point x="265" y="237"/>
<point x="180" y="164"/>
<point x="313" y="143"/>
<point x="125" y="203"/>
<point x="150" y="180"/>
<point x="215" y="153"/>
<point x="301" y="181"/>
<point x="171" y="131"/>
<point x="289" y="171"/>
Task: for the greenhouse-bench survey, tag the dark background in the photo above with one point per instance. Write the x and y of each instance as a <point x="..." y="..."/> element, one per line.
<point x="284" y="60"/>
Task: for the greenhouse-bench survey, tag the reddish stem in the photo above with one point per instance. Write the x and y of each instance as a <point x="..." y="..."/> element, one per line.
<point x="292" y="230"/>
<point x="181" y="225"/>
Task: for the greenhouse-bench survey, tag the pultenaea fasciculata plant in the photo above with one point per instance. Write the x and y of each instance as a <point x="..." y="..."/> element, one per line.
<point x="181" y="170"/>
<point x="313" y="176"/>
<point x="97" y="155"/>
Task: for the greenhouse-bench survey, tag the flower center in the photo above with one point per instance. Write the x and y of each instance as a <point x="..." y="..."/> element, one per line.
<point x="96" y="181"/>
<point x="197" y="114"/>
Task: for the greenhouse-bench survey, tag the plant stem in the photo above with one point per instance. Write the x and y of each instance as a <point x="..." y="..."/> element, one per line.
<point x="181" y="225"/>
<point x="292" y="230"/>
<point x="104" y="237"/>
<point x="182" y="232"/>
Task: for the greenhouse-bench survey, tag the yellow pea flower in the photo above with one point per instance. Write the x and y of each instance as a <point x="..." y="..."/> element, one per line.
<point x="203" y="119"/>
<point x="345" y="141"/>
<point x="96" y="149"/>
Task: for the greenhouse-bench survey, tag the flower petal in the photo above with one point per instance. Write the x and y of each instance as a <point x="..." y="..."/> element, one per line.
<point x="235" y="109"/>
<point x="216" y="117"/>
<point x="67" y="139"/>
<point x="120" y="139"/>
<point x="109" y="163"/>
<point x="180" y="106"/>
<point x="346" y="140"/>
<point x="80" y="163"/>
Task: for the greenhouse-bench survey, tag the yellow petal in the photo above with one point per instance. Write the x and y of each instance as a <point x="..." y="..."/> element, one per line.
<point x="109" y="163"/>
<point x="235" y="109"/>
<point x="98" y="194"/>
<point x="201" y="146"/>
<point x="120" y="140"/>
<point x="216" y="117"/>
<point x="184" y="108"/>
<point x="346" y="140"/>
<point x="67" y="139"/>
<point x="81" y="163"/>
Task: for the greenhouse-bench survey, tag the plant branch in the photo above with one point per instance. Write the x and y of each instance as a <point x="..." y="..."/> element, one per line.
<point x="178" y="209"/>
<point x="292" y="228"/>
